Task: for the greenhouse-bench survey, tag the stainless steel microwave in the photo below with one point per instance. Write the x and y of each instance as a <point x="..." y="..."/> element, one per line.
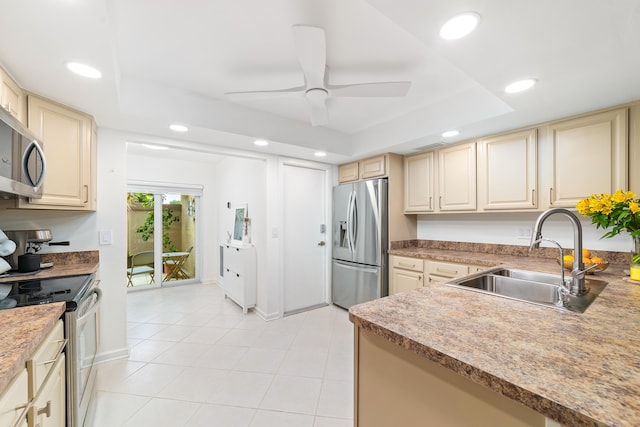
<point x="22" y="162"/>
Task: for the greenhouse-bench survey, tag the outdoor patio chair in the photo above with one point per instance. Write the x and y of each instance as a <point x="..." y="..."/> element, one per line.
<point x="141" y="263"/>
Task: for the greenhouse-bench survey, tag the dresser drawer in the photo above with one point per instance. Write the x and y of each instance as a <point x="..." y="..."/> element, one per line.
<point x="447" y="269"/>
<point x="406" y="263"/>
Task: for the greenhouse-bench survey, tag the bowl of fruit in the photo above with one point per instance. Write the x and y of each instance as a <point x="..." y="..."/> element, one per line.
<point x="588" y="260"/>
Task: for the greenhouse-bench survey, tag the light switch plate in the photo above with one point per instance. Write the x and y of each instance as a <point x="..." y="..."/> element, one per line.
<point x="106" y="237"/>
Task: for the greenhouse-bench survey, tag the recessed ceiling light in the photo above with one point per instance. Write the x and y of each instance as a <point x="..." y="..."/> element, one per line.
<point x="261" y="142"/>
<point x="459" y="26"/>
<point x="84" y="70"/>
<point x="450" y="133"/>
<point x="155" y="147"/>
<point x="520" y="85"/>
<point x="320" y="154"/>
<point x="178" y="128"/>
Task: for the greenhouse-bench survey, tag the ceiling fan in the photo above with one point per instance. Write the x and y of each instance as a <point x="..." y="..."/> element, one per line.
<point x="310" y="45"/>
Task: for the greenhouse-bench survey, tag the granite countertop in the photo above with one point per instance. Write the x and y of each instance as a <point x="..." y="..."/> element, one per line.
<point x="64" y="264"/>
<point x="23" y="329"/>
<point x="576" y="368"/>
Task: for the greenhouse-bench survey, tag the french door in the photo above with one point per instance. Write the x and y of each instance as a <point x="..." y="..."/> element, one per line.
<point x="161" y="234"/>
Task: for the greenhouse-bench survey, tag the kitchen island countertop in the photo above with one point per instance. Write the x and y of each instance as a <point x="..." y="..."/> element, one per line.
<point x="576" y="368"/>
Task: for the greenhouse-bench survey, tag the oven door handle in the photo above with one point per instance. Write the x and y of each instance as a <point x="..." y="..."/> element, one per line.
<point x="94" y="307"/>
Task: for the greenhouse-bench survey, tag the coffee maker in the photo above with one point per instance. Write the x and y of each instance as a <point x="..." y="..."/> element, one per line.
<point x="28" y="243"/>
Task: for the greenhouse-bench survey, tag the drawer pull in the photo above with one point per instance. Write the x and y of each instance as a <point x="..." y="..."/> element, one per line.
<point x="402" y="264"/>
<point x="444" y="270"/>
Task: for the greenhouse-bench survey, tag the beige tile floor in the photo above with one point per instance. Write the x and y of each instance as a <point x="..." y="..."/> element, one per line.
<point x="197" y="361"/>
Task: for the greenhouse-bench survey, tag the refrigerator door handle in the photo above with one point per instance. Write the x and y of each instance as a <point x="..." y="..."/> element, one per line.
<point x="359" y="268"/>
<point x="353" y="224"/>
<point x="350" y="221"/>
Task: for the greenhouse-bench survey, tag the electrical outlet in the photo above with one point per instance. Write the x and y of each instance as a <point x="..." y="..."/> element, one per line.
<point x="524" y="233"/>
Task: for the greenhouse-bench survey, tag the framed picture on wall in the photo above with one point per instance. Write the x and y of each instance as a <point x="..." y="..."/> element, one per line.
<point x="239" y="215"/>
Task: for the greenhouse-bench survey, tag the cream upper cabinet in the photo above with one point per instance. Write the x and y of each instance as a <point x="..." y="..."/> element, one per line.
<point x="419" y="188"/>
<point x="348" y="172"/>
<point x="457" y="178"/>
<point x="507" y="171"/>
<point x="69" y="146"/>
<point x="12" y="98"/>
<point x="589" y="157"/>
<point x="374" y="167"/>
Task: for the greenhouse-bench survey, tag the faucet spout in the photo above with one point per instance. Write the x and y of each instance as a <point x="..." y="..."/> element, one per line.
<point x="577" y="271"/>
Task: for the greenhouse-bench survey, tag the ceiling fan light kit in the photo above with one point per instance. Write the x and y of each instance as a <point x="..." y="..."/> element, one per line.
<point x="310" y="45"/>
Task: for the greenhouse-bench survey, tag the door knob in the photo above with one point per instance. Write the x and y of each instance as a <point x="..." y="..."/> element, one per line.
<point x="321" y="243"/>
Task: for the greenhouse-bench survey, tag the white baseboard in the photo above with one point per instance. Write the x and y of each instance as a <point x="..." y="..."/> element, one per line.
<point x="265" y="316"/>
<point x="121" y="353"/>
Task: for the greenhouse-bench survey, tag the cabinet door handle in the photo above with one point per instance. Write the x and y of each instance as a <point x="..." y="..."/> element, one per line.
<point x="440" y="202"/>
<point x="551" y="196"/>
<point x="533" y="197"/>
<point x="86" y="198"/>
<point x="430" y="198"/>
<point x="46" y="410"/>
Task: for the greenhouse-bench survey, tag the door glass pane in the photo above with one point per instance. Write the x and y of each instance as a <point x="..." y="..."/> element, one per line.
<point x="178" y="241"/>
<point x="140" y="252"/>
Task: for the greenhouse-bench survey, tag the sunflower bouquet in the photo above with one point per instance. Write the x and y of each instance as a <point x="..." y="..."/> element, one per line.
<point x="619" y="211"/>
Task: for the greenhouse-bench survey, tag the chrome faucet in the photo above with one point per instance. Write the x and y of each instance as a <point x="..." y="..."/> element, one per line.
<point x="577" y="269"/>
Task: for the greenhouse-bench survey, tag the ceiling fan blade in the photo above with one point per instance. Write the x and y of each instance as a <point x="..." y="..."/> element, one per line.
<point x="382" y="89"/>
<point x="266" y="94"/>
<point x="310" y="44"/>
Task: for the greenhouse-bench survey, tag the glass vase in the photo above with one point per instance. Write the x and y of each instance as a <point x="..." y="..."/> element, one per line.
<point x="634" y="267"/>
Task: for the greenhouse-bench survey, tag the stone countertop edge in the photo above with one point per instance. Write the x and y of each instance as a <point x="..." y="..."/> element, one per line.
<point x="24" y="328"/>
<point x="575" y="368"/>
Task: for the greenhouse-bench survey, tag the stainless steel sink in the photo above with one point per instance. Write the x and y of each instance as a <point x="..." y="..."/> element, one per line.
<point x="530" y="286"/>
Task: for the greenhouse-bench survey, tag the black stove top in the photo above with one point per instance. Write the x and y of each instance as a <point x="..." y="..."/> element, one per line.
<point x="69" y="289"/>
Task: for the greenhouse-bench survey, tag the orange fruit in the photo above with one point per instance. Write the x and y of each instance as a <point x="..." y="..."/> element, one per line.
<point x="567" y="261"/>
<point x="586" y="253"/>
<point x="597" y="260"/>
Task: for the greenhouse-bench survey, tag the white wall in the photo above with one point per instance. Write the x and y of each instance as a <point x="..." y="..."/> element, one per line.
<point x="504" y="228"/>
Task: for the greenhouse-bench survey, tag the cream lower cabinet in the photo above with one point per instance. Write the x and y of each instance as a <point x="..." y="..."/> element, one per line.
<point x="46" y="370"/>
<point x="440" y="272"/>
<point x="239" y="279"/>
<point x="396" y="387"/>
<point x="36" y="396"/>
<point x="405" y="274"/>
<point x="508" y="172"/>
<point x="68" y="139"/>
<point x="589" y="157"/>
<point x="49" y="405"/>
<point x="13" y="402"/>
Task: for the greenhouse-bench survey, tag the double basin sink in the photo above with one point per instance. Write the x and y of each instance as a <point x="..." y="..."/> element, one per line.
<point x="530" y="286"/>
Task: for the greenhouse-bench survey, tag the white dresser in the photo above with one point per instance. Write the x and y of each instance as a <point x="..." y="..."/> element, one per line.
<point x="239" y="274"/>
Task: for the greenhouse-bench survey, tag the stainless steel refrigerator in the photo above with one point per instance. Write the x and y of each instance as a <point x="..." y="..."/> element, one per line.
<point x="359" y="268"/>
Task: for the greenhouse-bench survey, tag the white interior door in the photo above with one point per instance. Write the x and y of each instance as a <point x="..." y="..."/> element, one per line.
<point x="305" y="238"/>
